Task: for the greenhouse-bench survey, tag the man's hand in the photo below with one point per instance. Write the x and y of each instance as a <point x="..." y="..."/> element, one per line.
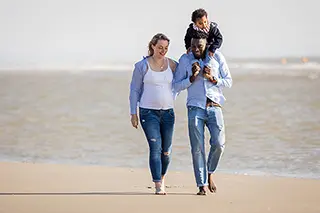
<point x="195" y="71"/>
<point x="196" y="68"/>
<point x="134" y="120"/>
<point x="207" y="75"/>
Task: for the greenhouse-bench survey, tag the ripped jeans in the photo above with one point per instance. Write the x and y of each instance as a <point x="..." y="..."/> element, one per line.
<point x="158" y="127"/>
<point x="198" y="118"/>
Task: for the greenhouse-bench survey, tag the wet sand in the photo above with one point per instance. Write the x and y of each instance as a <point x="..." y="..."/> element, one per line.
<point x="41" y="188"/>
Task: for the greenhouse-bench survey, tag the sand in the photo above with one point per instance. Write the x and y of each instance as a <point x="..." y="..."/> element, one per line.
<point x="40" y="188"/>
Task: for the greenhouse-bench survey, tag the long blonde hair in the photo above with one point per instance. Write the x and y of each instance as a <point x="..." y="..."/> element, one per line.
<point x="154" y="41"/>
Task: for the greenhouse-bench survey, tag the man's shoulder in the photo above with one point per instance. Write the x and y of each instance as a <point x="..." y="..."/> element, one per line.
<point x="218" y="55"/>
<point x="185" y="58"/>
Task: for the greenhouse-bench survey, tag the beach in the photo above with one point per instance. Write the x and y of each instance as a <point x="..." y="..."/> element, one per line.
<point x="41" y="188"/>
<point x="66" y="145"/>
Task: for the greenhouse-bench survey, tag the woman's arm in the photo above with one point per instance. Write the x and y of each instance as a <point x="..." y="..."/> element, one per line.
<point x="136" y="87"/>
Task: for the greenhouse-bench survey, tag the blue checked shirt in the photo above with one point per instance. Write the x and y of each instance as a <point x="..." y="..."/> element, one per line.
<point x="201" y="88"/>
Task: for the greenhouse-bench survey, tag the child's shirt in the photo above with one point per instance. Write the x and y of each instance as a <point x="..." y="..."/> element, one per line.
<point x="212" y="34"/>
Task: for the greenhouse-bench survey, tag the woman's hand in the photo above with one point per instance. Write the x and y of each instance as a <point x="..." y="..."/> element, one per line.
<point x="134" y="120"/>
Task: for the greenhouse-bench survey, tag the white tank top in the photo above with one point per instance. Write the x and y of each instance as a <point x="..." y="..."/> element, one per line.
<point x="157" y="91"/>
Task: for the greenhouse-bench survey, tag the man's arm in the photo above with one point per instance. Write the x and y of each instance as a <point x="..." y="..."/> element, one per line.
<point x="135" y="88"/>
<point x="181" y="79"/>
<point x="224" y="79"/>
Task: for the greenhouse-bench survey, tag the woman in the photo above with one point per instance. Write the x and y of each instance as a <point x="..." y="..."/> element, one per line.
<point x="151" y="87"/>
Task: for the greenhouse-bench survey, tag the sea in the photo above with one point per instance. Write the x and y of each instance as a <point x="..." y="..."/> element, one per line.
<point x="81" y="117"/>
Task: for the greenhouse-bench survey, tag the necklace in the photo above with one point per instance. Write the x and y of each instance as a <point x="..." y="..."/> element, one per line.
<point x="161" y="66"/>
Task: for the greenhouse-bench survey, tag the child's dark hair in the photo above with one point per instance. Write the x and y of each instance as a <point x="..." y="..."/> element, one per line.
<point x="199" y="13"/>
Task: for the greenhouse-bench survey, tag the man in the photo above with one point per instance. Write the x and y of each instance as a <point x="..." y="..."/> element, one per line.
<point x="204" y="77"/>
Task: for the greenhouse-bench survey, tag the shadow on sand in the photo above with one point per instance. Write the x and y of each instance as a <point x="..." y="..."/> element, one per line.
<point x="83" y="193"/>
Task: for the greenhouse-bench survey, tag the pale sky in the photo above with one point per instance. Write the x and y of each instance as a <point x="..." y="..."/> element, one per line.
<point x="64" y="33"/>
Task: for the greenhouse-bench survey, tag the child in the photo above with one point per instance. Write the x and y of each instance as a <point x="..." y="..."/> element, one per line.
<point x="202" y="25"/>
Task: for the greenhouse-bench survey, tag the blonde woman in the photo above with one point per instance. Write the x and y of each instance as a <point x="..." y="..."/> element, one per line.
<point x="151" y="92"/>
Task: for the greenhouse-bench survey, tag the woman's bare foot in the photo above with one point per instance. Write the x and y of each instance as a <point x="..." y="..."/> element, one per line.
<point x="212" y="187"/>
<point x="202" y="191"/>
<point x="159" y="189"/>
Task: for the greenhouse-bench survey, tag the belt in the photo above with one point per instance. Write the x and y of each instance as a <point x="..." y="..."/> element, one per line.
<point x="212" y="104"/>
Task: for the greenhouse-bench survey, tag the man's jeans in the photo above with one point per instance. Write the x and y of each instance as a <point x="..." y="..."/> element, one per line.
<point x="158" y="127"/>
<point x="197" y="118"/>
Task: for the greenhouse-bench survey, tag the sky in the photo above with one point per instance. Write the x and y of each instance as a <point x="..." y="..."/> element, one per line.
<point x="89" y="33"/>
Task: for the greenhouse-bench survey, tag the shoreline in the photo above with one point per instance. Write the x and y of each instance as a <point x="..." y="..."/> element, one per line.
<point x="219" y="171"/>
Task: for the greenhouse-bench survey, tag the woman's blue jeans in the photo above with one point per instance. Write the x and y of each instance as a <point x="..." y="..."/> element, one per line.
<point x="158" y="127"/>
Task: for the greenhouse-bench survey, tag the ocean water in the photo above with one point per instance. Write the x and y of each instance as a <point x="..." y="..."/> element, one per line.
<point x="272" y="117"/>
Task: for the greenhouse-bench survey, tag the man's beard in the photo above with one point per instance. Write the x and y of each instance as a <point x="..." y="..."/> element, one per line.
<point x="196" y="57"/>
<point x="201" y="56"/>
